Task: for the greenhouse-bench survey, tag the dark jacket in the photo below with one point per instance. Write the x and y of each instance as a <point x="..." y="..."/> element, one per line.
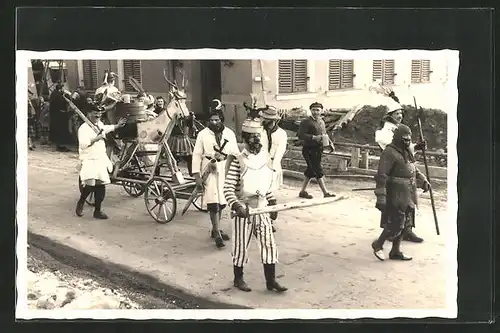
<point x="397" y="179"/>
<point x="307" y="129"/>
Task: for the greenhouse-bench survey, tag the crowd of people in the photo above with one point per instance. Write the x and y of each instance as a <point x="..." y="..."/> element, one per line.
<point x="53" y="122"/>
<point x="248" y="178"/>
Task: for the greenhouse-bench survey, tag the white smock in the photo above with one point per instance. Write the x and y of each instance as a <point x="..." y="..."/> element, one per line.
<point x="94" y="162"/>
<point x="279" y="140"/>
<point x="203" y="151"/>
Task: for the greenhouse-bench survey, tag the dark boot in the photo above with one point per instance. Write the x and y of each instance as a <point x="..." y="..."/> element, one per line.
<point x="305" y="195"/>
<point x="410" y="236"/>
<point x="100" y="192"/>
<point x="396" y="253"/>
<point x="271" y="283"/>
<point x="238" y="279"/>
<point x="222" y="233"/>
<point x="84" y="193"/>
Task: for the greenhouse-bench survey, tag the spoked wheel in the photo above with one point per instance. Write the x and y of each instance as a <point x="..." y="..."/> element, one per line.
<point x="160" y="200"/>
<point x="133" y="189"/>
<point x="90" y="199"/>
<point x="197" y="203"/>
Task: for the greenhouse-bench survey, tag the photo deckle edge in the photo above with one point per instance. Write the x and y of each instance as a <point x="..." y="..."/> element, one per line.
<point x="22" y="59"/>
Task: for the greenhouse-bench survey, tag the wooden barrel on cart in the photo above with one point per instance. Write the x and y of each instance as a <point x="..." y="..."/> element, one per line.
<point x="134" y="112"/>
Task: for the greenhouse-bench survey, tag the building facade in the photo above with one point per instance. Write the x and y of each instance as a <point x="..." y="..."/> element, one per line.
<point x="286" y="84"/>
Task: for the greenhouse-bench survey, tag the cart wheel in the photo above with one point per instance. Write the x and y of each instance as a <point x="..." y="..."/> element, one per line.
<point x="133" y="189"/>
<point x="160" y="200"/>
<point x="197" y="203"/>
<point x="90" y="199"/>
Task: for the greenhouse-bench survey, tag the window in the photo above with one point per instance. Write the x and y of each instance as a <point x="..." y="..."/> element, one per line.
<point x="420" y="71"/>
<point x="383" y="70"/>
<point x="340" y="74"/>
<point x="131" y="68"/>
<point x="90" y="79"/>
<point x="292" y="76"/>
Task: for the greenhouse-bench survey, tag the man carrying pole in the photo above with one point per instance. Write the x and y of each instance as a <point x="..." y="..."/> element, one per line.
<point x="396" y="191"/>
<point x="248" y="182"/>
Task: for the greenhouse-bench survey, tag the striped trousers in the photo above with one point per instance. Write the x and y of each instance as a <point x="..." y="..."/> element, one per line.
<point x="260" y="227"/>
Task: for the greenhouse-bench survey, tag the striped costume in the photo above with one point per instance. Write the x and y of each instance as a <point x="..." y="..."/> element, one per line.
<point x="249" y="181"/>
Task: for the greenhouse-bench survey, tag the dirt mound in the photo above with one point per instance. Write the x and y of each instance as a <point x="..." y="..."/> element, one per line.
<point x="362" y="128"/>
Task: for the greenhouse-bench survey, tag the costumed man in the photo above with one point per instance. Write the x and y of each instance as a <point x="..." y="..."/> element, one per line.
<point x="274" y="142"/>
<point x="179" y="142"/>
<point x="107" y="96"/>
<point x="59" y="119"/>
<point x="397" y="180"/>
<point x="249" y="183"/>
<point x="384" y="136"/>
<point x="312" y="131"/>
<point x="213" y="144"/>
<point x="95" y="164"/>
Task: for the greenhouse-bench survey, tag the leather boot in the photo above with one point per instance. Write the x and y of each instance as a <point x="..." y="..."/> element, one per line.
<point x="271" y="283"/>
<point x="238" y="279"/>
<point x="410" y="236"/>
<point x="396" y="253"/>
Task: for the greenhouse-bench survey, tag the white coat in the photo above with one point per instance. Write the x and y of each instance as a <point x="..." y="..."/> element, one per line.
<point x="279" y="140"/>
<point x="94" y="162"/>
<point x="202" y="152"/>
<point x="384" y="136"/>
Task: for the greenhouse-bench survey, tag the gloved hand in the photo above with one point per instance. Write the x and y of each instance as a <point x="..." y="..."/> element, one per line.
<point x="272" y="215"/>
<point x="426" y="186"/>
<point x="240" y="210"/>
<point x="380" y="205"/>
<point x="422" y="145"/>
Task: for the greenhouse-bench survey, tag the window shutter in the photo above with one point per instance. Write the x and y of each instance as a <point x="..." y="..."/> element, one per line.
<point x="416" y="71"/>
<point x="299" y="75"/>
<point x="285" y="76"/>
<point x="388" y="72"/>
<point x="377" y="70"/>
<point x="90" y="74"/>
<point x="420" y="71"/>
<point x="426" y="71"/>
<point x="340" y="74"/>
<point x="131" y="68"/>
<point x="292" y="76"/>
<point x="383" y="70"/>
<point x="334" y="74"/>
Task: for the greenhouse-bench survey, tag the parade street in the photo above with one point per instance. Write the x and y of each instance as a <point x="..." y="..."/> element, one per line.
<point x="325" y="254"/>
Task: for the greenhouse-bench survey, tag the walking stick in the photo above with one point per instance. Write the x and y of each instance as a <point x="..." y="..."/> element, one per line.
<point x="419" y="114"/>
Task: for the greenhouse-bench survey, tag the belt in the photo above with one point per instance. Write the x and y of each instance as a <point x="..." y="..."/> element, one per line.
<point x="404" y="181"/>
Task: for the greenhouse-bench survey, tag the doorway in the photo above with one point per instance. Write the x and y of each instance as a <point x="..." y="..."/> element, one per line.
<point x="211" y="83"/>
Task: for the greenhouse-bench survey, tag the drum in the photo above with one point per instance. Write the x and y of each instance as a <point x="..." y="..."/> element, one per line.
<point x="133" y="112"/>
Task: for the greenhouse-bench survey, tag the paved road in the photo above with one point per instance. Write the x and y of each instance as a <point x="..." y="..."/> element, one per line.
<point x="325" y="254"/>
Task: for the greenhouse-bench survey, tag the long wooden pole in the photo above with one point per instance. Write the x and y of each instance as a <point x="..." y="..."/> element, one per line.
<point x="292" y="205"/>
<point x="426" y="167"/>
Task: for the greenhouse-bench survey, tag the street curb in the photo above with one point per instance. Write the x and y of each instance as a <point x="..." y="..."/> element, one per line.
<point x="113" y="272"/>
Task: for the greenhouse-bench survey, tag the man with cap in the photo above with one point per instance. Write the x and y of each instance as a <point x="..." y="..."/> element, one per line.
<point x="213" y="144"/>
<point x="384" y="136"/>
<point x="312" y="132"/>
<point x="249" y="183"/>
<point x="397" y="180"/>
<point x="274" y="142"/>
<point x="94" y="161"/>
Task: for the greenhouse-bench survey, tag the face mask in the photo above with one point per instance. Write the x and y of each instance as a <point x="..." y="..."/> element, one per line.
<point x="253" y="144"/>
<point x="406" y="141"/>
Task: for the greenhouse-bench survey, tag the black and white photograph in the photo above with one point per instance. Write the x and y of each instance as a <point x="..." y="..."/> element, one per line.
<point x="246" y="183"/>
